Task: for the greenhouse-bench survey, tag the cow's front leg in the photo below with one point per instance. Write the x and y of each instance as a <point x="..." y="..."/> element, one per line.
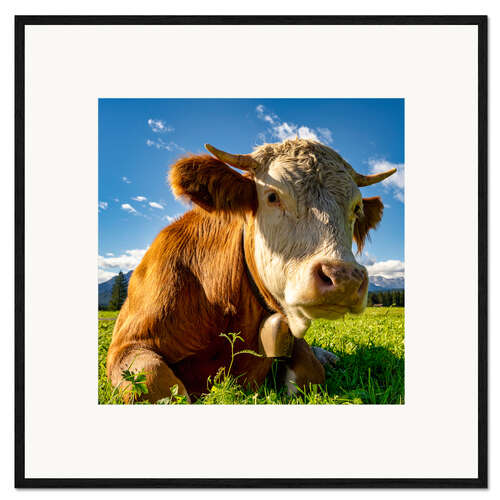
<point x="302" y="368"/>
<point x="159" y="376"/>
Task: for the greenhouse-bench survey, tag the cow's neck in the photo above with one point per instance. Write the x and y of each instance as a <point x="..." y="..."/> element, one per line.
<point x="263" y="296"/>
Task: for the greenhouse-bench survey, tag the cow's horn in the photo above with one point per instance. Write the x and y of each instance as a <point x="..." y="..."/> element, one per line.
<point x="368" y="180"/>
<point x="243" y="162"/>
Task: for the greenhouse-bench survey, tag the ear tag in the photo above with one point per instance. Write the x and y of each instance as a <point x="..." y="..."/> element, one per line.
<point x="275" y="339"/>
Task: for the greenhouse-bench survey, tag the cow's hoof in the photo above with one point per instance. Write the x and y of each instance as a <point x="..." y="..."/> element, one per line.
<point x="326" y="358"/>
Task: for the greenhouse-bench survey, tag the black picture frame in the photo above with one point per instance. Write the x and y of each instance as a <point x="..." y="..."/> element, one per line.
<point x="21" y="481"/>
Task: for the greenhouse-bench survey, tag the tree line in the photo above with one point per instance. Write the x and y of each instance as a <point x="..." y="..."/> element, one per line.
<point x="387" y="298"/>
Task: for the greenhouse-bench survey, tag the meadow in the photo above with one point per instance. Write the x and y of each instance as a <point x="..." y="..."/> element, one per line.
<point x="370" y="369"/>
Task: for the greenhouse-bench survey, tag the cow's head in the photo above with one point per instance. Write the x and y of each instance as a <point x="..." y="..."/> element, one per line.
<point x="304" y="207"/>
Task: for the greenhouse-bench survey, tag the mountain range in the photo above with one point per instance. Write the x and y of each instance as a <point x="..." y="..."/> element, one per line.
<point x="377" y="284"/>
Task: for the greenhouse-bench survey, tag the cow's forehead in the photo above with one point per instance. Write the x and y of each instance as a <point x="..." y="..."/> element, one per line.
<point x="306" y="169"/>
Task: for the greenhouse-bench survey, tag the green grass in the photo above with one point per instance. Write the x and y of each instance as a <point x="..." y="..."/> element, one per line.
<point x="370" y="369"/>
<point x="108" y="314"/>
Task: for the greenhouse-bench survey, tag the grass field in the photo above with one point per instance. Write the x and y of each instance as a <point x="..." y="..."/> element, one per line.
<point x="370" y="369"/>
<point x="107" y="314"/>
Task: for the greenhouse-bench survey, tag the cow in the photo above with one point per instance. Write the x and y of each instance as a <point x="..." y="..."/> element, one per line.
<point x="273" y="240"/>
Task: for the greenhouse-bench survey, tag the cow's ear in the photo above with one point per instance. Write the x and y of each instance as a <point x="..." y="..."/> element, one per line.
<point x="373" y="208"/>
<point x="213" y="185"/>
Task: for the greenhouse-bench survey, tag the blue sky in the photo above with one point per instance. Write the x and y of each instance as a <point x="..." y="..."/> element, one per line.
<point x="140" y="138"/>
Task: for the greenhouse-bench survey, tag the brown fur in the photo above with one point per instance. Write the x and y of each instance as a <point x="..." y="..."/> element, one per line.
<point x="189" y="288"/>
<point x="306" y="367"/>
<point x="373" y="208"/>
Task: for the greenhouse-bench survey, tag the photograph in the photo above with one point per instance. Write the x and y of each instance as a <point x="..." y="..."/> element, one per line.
<point x="269" y="248"/>
<point x="251" y="251"/>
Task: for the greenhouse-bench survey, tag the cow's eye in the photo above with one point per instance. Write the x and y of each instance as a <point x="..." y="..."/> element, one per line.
<point x="273" y="198"/>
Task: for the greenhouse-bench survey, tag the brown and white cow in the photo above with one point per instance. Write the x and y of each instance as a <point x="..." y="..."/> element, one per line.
<point x="278" y="238"/>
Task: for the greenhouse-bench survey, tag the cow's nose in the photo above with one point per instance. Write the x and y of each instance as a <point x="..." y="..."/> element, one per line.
<point x="348" y="280"/>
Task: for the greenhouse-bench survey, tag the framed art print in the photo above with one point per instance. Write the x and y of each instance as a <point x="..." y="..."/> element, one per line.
<point x="281" y="225"/>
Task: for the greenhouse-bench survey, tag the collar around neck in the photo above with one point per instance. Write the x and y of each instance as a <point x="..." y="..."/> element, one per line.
<point x="253" y="286"/>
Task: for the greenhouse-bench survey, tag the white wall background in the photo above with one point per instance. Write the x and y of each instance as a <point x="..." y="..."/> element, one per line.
<point x="226" y="7"/>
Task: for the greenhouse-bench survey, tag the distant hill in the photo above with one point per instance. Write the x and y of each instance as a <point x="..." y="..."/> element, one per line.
<point x="106" y="288"/>
<point x="377" y="284"/>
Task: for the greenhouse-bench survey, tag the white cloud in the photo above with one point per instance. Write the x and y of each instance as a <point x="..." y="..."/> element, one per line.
<point x="285" y="130"/>
<point x="129" y="208"/>
<point x="161" y="144"/>
<point x="103" y="205"/>
<point x="139" y="198"/>
<point x="159" y="126"/>
<point x="125" y="262"/>
<point x="104" y="275"/>
<point x="261" y="138"/>
<point x="171" y="218"/>
<point x="396" y="182"/>
<point x="325" y="135"/>
<point x="155" y="205"/>
<point x="126" y="180"/>
<point x="116" y="199"/>
<point x="387" y="269"/>
<point x="110" y="254"/>
<point x="269" y="117"/>
<point x="367" y="259"/>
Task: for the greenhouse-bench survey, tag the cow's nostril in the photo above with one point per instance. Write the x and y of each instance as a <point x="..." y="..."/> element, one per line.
<point x="324" y="277"/>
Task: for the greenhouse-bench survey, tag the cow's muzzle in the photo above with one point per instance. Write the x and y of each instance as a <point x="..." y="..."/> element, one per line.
<point x="339" y="285"/>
